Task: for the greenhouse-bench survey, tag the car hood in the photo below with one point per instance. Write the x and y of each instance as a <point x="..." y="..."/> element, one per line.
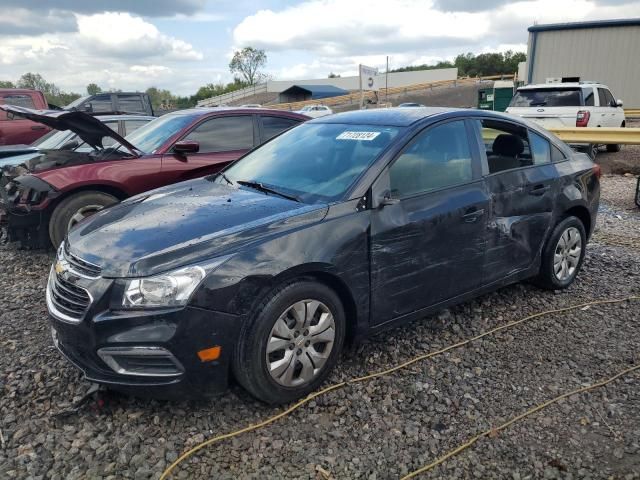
<point x="183" y="224"/>
<point x="88" y="128"/>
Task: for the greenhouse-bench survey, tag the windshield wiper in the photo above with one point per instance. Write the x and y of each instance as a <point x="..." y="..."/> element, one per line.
<point x="225" y="178"/>
<point x="538" y="104"/>
<point x="261" y="187"/>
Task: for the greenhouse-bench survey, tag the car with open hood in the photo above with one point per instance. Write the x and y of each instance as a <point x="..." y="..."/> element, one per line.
<point x="124" y="124"/>
<point x="48" y="194"/>
<point x="338" y="228"/>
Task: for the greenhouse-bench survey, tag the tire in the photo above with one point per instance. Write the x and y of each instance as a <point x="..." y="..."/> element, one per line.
<point x="558" y="272"/>
<point x="592" y="151"/>
<point x="293" y="358"/>
<point x="73" y="209"/>
<point x="613" y="148"/>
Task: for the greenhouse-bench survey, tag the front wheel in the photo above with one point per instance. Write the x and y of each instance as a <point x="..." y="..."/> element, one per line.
<point x="73" y="210"/>
<point x="562" y="255"/>
<point x="292" y="342"/>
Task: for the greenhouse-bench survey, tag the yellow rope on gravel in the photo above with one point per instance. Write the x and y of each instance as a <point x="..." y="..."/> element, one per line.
<point x="419" y="358"/>
<point x="531" y="411"/>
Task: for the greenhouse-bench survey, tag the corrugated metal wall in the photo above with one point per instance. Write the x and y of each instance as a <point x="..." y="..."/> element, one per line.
<point x="608" y="55"/>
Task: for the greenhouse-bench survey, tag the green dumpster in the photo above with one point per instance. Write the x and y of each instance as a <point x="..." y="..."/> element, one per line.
<point x="497" y="97"/>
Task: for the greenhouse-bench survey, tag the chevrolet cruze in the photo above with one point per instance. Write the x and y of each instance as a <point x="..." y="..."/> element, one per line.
<point x="338" y="228"/>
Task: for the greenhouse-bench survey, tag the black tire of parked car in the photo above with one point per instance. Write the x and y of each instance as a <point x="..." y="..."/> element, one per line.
<point x="72" y="206"/>
<point x="249" y="364"/>
<point x="547" y="278"/>
<point x="617" y="147"/>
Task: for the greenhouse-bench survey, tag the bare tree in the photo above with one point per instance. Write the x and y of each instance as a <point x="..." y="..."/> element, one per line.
<point x="247" y="62"/>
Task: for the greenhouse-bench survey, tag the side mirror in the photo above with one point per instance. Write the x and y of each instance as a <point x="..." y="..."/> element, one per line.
<point x="186" y="146"/>
<point x="386" y="199"/>
<point x="88" y="107"/>
<point x="619" y="103"/>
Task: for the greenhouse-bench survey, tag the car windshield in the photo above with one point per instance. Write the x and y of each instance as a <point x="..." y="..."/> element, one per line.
<point x="315" y="162"/>
<point x="547" y="97"/>
<point x="150" y="137"/>
<point x="308" y="108"/>
<point x="76" y="102"/>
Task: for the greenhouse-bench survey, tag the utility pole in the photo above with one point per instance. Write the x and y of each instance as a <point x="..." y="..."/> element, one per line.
<point x="360" y="81"/>
<point x="386" y="82"/>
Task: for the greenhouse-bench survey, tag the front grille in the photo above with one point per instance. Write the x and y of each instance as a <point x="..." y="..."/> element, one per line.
<point x="81" y="266"/>
<point x="68" y="300"/>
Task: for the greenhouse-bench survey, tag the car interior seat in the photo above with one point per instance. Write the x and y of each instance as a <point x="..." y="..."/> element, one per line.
<point x="504" y="153"/>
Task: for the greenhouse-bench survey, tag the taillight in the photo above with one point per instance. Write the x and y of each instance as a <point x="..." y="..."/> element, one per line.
<point x="597" y="171"/>
<point x="582" y="120"/>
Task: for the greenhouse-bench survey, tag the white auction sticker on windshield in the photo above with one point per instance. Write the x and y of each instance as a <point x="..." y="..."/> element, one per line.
<point x="366" y="136"/>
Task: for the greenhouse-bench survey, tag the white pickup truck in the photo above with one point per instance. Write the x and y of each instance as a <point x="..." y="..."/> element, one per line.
<point x="576" y="104"/>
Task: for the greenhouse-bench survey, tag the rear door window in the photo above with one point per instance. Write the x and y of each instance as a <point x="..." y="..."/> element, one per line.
<point x="100" y="103"/>
<point x="540" y="149"/>
<point x="130" y="103"/>
<point x="547" y="97"/>
<point x="602" y="97"/>
<point x="506" y="145"/>
<point x="272" y="126"/>
<point x="224" y="134"/>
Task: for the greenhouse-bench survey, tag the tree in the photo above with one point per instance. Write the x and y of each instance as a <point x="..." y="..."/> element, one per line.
<point x="51" y="92"/>
<point x="93" y="88"/>
<point x="7" y="84"/>
<point x="333" y="75"/>
<point x="247" y="63"/>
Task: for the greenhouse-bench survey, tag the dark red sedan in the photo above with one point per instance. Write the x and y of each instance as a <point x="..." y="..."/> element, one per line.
<point x="46" y="196"/>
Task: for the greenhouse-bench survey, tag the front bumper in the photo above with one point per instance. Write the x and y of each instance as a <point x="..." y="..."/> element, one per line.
<point x="181" y="332"/>
<point x="29" y="227"/>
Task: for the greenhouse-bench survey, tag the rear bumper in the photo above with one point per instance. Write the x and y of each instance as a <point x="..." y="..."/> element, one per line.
<point x="181" y="332"/>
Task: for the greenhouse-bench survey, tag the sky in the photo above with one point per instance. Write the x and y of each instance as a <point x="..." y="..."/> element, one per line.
<point x="181" y="45"/>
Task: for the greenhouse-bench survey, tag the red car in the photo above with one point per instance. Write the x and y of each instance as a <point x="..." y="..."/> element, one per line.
<point x="19" y="130"/>
<point x="44" y="197"/>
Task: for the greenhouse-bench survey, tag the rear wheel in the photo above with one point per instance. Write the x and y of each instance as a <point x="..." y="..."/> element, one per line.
<point x="292" y="342"/>
<point x="615" y="148"/>
<point x="73" y="210"/>
<point x="562" y="255"/>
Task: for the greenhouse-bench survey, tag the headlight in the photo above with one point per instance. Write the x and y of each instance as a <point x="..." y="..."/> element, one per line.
<point x="169" y="289"/>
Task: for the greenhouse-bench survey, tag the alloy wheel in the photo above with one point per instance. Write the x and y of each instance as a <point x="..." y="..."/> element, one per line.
<point x="83" y="213"/>
<point x="300" y="343"/>
<point x="567" y="254"/>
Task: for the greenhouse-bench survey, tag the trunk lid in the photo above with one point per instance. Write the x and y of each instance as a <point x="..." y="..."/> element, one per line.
<point x="547" y="117"/>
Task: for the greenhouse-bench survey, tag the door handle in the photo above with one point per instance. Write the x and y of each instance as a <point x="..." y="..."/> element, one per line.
<point x="37" y="127"/>
<point x="539" y="189"/>
<point x="472" y="215"/>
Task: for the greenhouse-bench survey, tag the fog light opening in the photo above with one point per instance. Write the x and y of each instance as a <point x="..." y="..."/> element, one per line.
<point x="141" y="361"/>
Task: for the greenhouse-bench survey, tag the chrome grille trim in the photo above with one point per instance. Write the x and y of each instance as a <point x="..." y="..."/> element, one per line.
<point x="79" y="266"/>
<point x="66" y="302"/>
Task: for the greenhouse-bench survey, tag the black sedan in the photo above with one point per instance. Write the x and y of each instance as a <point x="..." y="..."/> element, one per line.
<point x="338" y="228"/>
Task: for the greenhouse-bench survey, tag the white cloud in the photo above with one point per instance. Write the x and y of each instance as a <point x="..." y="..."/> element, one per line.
<point x="122" y="35"/>
<point x="334" y="28"/>
<point x="114" y="50"/>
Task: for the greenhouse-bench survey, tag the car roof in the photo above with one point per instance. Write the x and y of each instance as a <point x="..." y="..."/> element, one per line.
<point x="124" y="116"/>
<point x="393" y="117"/>
<point x="201" y="111"/>
<point x="538" y="86"/>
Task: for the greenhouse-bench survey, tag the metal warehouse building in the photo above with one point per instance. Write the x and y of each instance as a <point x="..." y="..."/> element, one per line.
<point x="605" y="51"/>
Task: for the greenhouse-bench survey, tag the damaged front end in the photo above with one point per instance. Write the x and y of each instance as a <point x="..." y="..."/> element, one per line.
<point x="23" y="213"/>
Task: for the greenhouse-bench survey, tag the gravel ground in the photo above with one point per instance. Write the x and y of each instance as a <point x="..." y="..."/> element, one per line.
<point x="376" y="430"/>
